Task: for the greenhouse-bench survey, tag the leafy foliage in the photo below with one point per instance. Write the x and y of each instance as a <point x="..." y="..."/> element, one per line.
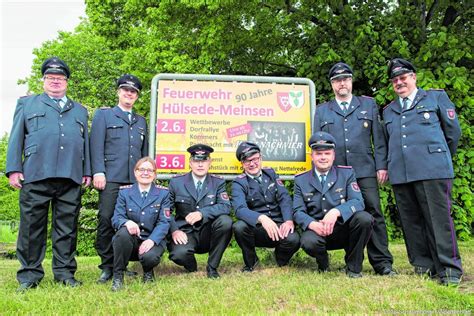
<point x="280" y="38"/>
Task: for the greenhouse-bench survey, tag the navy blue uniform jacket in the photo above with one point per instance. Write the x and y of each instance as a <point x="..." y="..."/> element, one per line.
<point x="212" y="202"/>
<point x="250" y="199"/>
<point x="46" y="142"/>
<point x="423" y="139"/>
<point x="355" y="133"/>
<point x="151" y="214"/>
<point x="117" y="144"/>
<point x="312" y="202"/>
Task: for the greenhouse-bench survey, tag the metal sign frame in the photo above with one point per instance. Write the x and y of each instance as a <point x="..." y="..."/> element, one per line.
<point x="218" y="78"/>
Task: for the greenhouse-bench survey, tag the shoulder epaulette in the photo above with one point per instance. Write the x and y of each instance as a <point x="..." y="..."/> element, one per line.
<point x="125" y="186"/>
<point x="433" y="89"/>
<point x="386" y="106"/>
<point x="23" y="96"/>
<point x="344" y="167"/>
<point x="178" y="175"/>
<point x="161" y="187"/>
<point x="240" y="176"/>
<point x="104" y="107"/>
<point x="301" y="173"/>
<point x="366" y="96"/>
<point x="217" y="176"/>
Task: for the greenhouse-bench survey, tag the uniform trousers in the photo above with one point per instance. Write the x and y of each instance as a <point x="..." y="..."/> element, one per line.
<point x="126" y="247"/>
<point x="213" y="237"/>
<point x="352" y="236"/>
<point x="64" y="197"/>
<point x="105" y="231"/>
<point x="249" y="237"/>
<point x="377" y="247"/>
<point x="424" y="208"/>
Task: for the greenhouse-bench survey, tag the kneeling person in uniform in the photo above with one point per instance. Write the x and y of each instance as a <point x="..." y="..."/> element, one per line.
<point x="201" y="222"/>
<point x="263" y="206"/>
<point x="141" y="218"/>
<point x="329" y="207"/>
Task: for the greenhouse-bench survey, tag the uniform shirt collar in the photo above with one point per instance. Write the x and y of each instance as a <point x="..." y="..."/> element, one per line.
<point x="410" y="98"/>
<point x="121" y="108"/>
<point x="253" y="177"/>
<point x="196" y="179"/>
<point x="319" y="173"/>
<point x="340" y="105"/>
<point x="63" y="99"/>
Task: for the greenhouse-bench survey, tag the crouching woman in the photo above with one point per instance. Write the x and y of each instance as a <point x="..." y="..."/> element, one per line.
<point x="141" y="220"/>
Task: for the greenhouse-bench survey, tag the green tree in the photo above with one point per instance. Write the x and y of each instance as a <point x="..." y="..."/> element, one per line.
<point x="280" y="38"/>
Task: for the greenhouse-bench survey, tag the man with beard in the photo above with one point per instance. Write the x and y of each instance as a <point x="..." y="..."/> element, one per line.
<point x="422" y="126"/>
<point x="354" y="122"/>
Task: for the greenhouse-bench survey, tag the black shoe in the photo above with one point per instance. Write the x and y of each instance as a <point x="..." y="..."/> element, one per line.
<point x="212" y="273"/>
<point x="117" y="282"/>
<point x="148" y="277"/>
<point x="250" y="269"/>
<point x="131" y="273"/>
<point x="25" y="286"/>
<point x="191" y="268"/>
<point x="322" y="259"/>
<point x="387" y="271"/>
<point x="105" y="276"/>
<point x="71" y="282"/>
<point x="450" y="281"/>
<point x="353" y="275"/>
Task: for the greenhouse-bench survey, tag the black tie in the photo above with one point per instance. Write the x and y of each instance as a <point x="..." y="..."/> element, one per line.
<point x="323" y="179"/>
<point x="344" y="106"/>
<point x="144" y="194"/>
<point x="129" y="114"/>
<point x="259" y="179"/>
<point x="405" y="104"/>
<point x="199" y="187"/>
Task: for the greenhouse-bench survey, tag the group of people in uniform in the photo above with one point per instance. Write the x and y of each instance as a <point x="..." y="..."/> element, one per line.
<point x="335" y="204"/>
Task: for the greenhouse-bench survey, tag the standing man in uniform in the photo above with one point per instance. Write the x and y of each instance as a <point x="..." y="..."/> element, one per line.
<point x="263" y="208"/>
<point x="422" y="126"/>
<point x="48" y="159"/>
<point x="354" y="122"/>
<point x="201" y="222"/>
<point x="329" y="208"/>
<point x="118" y="140"/>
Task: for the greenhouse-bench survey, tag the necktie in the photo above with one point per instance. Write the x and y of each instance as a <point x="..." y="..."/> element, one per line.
<point x="129" y="116"/>
<point x="58" y="102"/>
<point x="144" y="194"/>
<point x="405" y="104"/>
<point x="259" y="179"/>
<point x="344" y="106"/>
<point x="322" y="177"/>
<point x="199" y="187"/>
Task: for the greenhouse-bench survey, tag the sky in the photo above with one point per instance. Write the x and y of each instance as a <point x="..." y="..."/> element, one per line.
<point x="25" y="24"/>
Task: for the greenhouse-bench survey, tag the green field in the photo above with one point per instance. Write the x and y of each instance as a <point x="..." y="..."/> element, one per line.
<point x="296" y="289"/>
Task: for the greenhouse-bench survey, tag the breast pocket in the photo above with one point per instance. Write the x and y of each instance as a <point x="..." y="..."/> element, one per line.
<point x="35" y="121"/>
<point x="183" y="204"/>
<point x="115" y="130"/>
<point x="80" y="127"/>
<point x="427" y="116"/>
<point x="327" y="124"/>
<point x="365" y="121"/>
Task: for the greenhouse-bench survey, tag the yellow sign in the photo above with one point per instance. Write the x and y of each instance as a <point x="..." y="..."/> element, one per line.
<point x="223" y="114"/>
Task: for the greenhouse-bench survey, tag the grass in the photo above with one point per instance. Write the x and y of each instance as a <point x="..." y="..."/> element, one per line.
<point x="296" y="289"/>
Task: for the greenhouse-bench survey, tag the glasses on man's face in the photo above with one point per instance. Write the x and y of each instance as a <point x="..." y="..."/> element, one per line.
<point x="145" y="170"/>
<point x="248" y="162"/>
<point x="342" y="80"/>
<point x="401" y="78"/>
<point x="55" y="79"/>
